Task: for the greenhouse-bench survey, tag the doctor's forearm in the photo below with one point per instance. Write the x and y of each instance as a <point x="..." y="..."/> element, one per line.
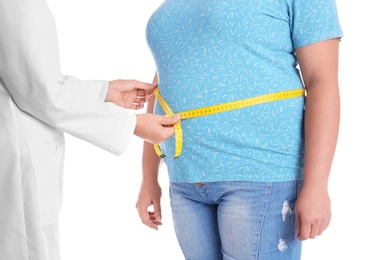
<point x="30" y="69"/>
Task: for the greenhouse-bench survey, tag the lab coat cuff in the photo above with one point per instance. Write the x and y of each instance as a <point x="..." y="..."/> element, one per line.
<point x="97" y="90"/>
<point x="124" y="139"/>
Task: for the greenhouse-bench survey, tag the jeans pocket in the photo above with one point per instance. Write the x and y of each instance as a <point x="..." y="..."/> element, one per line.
<point x="48" y="181"/>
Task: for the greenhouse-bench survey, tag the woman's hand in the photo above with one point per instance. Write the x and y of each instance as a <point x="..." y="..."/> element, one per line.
<point x="312" y="212"/>
<point x="150" y="195"/>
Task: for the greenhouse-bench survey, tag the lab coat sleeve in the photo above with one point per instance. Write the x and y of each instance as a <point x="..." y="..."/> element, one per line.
<point x="30" y="69"/>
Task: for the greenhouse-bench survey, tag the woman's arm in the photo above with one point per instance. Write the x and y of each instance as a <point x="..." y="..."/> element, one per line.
<point x="150" y="190"/>
<point x="319" y="66"/>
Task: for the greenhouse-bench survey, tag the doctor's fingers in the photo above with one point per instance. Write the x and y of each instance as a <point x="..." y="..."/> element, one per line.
<point x="138" y="103"/>
<point x="135" y="84"/>
<point x="141" y="96"/>
<point x="145" y="93"/>
<point x="169" y="121"/>
<point x="167" y="129"/>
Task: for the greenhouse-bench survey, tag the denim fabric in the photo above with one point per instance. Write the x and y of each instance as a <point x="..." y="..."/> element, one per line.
<point x="236" y="220"/>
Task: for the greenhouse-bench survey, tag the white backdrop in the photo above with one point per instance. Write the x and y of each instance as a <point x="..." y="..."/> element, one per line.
<point x="106" y="40"/>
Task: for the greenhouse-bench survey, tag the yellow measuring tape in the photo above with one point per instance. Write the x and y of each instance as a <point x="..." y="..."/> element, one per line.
<point x="217" y="109"/>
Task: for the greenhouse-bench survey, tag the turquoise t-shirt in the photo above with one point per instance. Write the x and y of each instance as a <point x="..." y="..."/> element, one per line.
<point x="215" y="51"/>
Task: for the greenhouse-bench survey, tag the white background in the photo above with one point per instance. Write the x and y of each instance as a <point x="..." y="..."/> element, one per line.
<point x="106" y="40"/>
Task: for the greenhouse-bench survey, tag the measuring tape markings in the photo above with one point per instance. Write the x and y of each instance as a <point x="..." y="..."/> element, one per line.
<point x="217" y="109"/>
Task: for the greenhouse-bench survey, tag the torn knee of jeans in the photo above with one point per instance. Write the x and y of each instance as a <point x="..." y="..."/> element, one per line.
<point x="285" y="209"/>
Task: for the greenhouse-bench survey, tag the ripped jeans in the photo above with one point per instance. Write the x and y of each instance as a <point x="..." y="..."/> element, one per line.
<point x="236" y="220"/>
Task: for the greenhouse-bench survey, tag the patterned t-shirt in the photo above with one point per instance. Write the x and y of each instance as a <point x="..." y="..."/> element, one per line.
<point x="215" y="51"/>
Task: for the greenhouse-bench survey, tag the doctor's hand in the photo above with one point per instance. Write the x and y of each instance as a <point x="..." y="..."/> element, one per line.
<point x="150" y="196"/>
<point x="155" y="128"/>
<point x="130" y="94"/>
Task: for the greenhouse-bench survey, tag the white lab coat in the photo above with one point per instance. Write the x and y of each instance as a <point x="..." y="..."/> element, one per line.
<point x="37" y="105"/>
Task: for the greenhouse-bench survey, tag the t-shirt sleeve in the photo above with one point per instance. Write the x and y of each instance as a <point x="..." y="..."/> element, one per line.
<point x="314" y="21"/>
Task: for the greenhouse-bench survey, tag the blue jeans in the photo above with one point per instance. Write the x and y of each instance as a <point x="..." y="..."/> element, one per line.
<point x="236" y="220"/>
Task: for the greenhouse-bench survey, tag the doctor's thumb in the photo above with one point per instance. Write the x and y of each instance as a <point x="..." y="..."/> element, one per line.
<point x="170" y="121"/>
<point x="147" y="86"/>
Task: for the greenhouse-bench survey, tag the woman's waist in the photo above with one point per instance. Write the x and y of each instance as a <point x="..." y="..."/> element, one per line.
<point x="180" y="101"/>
